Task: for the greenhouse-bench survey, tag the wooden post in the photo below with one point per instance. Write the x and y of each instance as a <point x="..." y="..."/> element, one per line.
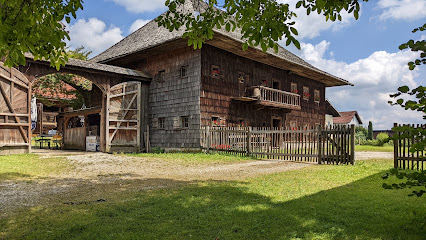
<point x="352" y="144"/>
<point x="319" y="144"/>
<point x="395" y="149"/>
<point x="147" y="147"/>
<point x="208" y="138"/>
<point x="249" y="141"/>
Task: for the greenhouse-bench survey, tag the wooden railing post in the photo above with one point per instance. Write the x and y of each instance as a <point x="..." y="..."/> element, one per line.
<point x="208" y="138"/>
<point x="395" y="149"/>
<point x="319" y="144"/>
<point x="249" y="142"/>
<point x="352" y="144"/>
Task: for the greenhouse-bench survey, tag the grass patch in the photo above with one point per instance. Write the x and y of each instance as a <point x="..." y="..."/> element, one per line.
<point x="317" y="202"/>
<point x="193" y="158"/>
<point x="370" y="148"/>
<point x="30" y="165"/>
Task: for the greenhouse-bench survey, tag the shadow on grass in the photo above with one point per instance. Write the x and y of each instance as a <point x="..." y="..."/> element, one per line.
<point x="230" y="210"/>
<point x="13" y="175"/>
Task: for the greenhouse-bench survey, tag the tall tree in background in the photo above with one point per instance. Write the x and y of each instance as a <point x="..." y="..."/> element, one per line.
<point x="35" y="26"/>
<point x="370" y="131"/>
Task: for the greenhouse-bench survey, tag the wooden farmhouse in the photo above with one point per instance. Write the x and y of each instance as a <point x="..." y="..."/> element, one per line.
<point x="152" y="86"/>
<point x="219" y="85"/>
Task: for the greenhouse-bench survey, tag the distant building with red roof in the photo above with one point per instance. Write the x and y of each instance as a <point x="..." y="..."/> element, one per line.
<point x="348" y="118"/>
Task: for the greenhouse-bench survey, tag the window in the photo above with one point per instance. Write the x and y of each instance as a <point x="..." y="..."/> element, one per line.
<point x="162" y="123"/>
<point x="241" y="77"/>
<point x="183" y="71"/>
<point x="215" y="71"/>
<point x="241" y="123"/>
<point x="160" y="76"/>
<point x="276" y="85"/>
<point x="184" y="122"/>
<point x="306" y="94"/>
<point x="215" y="121"/>
<point x="293" y="88"/>
<point x="317" y="96"/>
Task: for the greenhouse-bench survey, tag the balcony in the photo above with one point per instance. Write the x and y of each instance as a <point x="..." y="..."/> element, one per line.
<point x="272" y="97"/>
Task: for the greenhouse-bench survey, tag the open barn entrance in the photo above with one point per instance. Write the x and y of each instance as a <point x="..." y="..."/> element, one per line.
<point x="68" y="113"/>
<point x="115" y="114"/>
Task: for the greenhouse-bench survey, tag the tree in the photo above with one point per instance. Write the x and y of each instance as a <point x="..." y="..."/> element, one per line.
<point x="261" y="22"/>
<point x="56" y="83"/>
<point x="370" y="131"/>
<point x="35" y="26"/>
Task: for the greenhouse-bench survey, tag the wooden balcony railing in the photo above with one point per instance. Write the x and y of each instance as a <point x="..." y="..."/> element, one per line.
<point x="276" y="98"/>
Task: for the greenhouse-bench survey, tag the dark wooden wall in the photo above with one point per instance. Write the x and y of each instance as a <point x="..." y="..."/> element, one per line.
<point x="216" y="92"/>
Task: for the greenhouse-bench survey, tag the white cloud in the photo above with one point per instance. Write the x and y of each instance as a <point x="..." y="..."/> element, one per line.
<point x="402" y="9"/>
<point x="310" y="26"/>
<point x="93" y="35"/>
<point x="141" y="6"/>
<point x="138" y="24"/>
<point x="374" y="77"/>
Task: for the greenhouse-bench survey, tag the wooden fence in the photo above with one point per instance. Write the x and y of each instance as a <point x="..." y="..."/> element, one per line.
<point x="329" y="145"/>
<point x="403" y="158"/>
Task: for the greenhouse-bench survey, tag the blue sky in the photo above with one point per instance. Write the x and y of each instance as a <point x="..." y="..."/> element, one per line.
<point x="363" y="51"/>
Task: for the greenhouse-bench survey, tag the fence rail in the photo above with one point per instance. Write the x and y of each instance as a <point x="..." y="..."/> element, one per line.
<point x="328" y="145"/>
<point x="403" y="158"/>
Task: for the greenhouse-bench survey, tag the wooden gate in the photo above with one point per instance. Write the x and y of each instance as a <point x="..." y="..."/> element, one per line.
<point x="123" y="117"/>
<point x="15" y="111"/>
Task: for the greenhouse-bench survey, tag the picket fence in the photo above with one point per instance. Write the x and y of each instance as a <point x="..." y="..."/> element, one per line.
<point x="403" y="158"/>
<point x="330" y="145"/>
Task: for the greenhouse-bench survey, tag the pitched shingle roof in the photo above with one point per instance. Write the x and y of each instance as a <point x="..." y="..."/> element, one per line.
<point x="150" y="35"/>
<point x="346" y="117"/>
<point x="81" y="64"/>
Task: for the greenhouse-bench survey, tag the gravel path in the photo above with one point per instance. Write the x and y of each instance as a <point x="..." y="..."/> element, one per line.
<point x="370" y="155"/>
<point x="97" y="175"/>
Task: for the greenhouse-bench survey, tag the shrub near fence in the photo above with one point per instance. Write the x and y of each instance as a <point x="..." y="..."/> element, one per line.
<point x="329" y="145"/>
<point x="403" y="158"/>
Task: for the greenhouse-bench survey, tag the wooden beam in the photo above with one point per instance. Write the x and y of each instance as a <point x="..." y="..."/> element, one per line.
<point x="21" y="129"/>
<point x="124" y="115"/>
<point x="14" y="81"/>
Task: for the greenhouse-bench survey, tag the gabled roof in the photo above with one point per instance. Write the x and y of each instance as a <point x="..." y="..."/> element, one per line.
<point x="330" y="110"/>
<point x="151" y="35"/>
<point x="346" y="117"/>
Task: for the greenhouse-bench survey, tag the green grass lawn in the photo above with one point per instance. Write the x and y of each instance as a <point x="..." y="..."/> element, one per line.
<point x="316" y="202"/>
<point x="370" y="148"/>
<point x="29" y="166"/>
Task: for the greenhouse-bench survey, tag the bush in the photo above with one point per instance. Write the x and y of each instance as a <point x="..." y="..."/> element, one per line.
<point x="382" y="138"/>
<point x="157" y="150"/>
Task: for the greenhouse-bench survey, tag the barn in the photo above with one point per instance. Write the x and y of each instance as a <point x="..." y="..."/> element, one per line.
<point x="120" y="106"/>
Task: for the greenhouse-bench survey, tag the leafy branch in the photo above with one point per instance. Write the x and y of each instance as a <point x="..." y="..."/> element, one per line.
<point x="261" y="22"/>
<point x="416" y="46"/>
<point x="35" y="27"/>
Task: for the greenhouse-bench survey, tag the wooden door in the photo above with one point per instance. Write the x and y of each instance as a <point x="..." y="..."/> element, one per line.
<point x="15" y="111"/>
<point x="123" y="117"/>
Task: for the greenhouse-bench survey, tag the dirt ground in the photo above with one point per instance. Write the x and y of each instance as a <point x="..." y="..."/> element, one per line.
<point x="95" y="175"/>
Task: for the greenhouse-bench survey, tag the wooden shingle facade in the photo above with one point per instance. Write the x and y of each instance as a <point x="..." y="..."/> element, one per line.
<point x="219" y="85"/>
